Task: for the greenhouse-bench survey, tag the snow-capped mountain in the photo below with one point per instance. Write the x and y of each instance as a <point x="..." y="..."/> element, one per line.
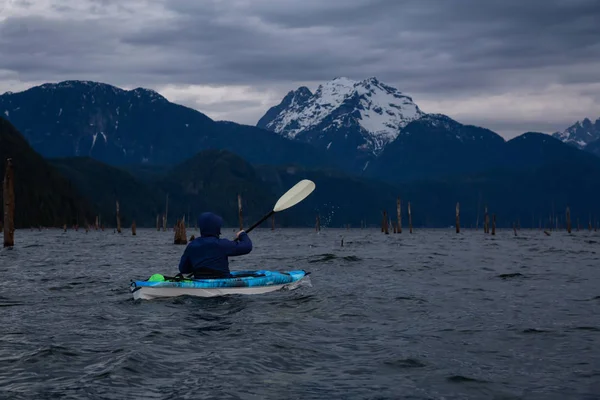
<point x="580" y="134"/>
<point x="342" y="113"/>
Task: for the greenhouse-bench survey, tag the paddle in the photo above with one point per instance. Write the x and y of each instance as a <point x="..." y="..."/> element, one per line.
<point x="295" y="195"/>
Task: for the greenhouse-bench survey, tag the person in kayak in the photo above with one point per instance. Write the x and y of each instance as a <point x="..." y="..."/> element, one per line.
<point x="208" y="255"/>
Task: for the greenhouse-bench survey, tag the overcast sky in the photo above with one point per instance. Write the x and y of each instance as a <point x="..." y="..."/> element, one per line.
<point x="509" y="65"/>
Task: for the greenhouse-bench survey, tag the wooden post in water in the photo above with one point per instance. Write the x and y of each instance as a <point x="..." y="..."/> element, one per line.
<point x="399" y="214"/>
<point x="96" y="224"/>
<point x="515" y="228"/>
<point x="409" y="219"/>
<point x="118" y="219"/>
<point x="273" y="222"/>
<point x="493" y="224"/>
<point x="240" y="216"/>
<point x="177" y="237"/>
<point x="8" y="194"/>
<point x="457" y="218"/>
<point x="180" y="234"/>
<point x="568" y="221"/>
<point x="385" y="223"/>
<point x="165" y="217"/>
<point x="578" y="226"/>
<point x="133" y="228"/>
<point x="486" y="221"/>
<point x="318" y="223"/>
<point x="157" y="222"/>
<point x="478" y="205"/>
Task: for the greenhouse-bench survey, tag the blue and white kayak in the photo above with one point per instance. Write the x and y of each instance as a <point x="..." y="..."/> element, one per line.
<point x="241" y="282"/>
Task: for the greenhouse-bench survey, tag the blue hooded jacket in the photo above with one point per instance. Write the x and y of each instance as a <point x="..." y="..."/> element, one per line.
<point x="208" y="254"/>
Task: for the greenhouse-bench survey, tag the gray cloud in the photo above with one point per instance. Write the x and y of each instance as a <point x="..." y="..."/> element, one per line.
<point x="448" y="49"/>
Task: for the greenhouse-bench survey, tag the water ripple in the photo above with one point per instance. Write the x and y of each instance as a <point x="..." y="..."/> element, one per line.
<point x="425" y="316"/>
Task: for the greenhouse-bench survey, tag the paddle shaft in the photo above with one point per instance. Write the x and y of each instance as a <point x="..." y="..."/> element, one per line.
<point x="263" y="219"/>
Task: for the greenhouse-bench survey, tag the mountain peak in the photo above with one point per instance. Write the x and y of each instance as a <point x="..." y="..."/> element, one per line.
<point x="68" y="84"/>
<point x="152" y="94"/>
<point x="580" y="134"/>
<point x="373" y="111"/>
<point x="94" y="88"/>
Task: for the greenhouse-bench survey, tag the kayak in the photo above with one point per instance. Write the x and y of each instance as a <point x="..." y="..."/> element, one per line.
<point x="241" y="282"/>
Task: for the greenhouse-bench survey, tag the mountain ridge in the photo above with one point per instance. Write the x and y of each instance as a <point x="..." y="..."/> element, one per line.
<point x="138" y="126"/>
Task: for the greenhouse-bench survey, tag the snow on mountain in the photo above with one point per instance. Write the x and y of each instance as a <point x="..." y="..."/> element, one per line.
<point x="378" y="111"/>
<point x="580" y="134"/>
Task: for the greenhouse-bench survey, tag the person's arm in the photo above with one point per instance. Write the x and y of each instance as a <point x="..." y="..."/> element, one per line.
<point x="238" y="247"/>
<point x="185" y="264"/>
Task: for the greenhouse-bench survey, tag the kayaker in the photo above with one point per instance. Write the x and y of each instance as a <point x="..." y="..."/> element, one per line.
<point x="208" y="255"/>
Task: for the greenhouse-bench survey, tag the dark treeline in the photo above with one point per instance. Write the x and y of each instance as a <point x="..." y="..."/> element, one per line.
<point x="74" y="191"/>
<point x="42" y="195"/>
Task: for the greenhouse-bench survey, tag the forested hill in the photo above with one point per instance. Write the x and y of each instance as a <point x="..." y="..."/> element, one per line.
<point x="42" y="195"/>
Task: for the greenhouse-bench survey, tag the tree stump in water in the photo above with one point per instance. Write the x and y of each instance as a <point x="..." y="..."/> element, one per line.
<point x="385" y="227"/>
<point x="118" y="219"/>
<point x="180" y="234"/>
<point x="240" y="215"/>
<point x="410" y="228"/>
<point x="457" y="218"/>
<point x="398" y="215"/>
<point x="8" y="192"/>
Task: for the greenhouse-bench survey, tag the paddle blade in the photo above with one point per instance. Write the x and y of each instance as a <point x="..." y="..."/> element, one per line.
<point x="295" y="195"/>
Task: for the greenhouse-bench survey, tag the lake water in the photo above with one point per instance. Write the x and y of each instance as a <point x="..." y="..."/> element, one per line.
<point x="433" y="315"/>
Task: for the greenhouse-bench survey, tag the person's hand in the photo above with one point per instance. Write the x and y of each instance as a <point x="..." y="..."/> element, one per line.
<point x="237" y="236"/>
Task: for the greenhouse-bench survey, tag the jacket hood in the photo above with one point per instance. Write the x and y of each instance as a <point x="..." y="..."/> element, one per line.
<point x="210" y="224"/>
